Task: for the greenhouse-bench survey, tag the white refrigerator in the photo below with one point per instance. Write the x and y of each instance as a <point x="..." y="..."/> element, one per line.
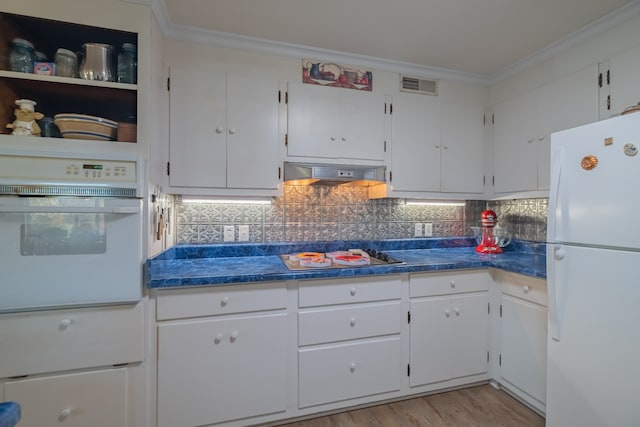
<point x="593" y="273"/>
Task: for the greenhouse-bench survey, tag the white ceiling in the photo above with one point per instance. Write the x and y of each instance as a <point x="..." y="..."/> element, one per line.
<point x="478" y="37"/>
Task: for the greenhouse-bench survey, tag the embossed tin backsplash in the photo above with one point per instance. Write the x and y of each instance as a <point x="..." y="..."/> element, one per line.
<point x="326" y="213"/>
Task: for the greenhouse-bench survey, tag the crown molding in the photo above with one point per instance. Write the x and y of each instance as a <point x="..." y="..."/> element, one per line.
<point x="258" y="45"/>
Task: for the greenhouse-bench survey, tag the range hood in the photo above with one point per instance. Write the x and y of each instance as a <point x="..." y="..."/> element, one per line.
<point x="330" y="174"/>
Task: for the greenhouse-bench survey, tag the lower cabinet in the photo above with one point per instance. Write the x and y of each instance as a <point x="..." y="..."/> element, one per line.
<point x="449" y="326"/>
<point x="220" y="368"/>
<point x="349" y="337"/>
<point x="59" y="365"/>
<point x="523" y="337"/>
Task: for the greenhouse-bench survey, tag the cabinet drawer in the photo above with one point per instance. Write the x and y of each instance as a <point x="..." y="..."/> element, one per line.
<point x="210" y="301"/>
<point x="524" y="287"/>
<point x="343" y="291"/>
<point x="59" y="340"/>
<point x="345" y="323"/>
<point x="96" y="399"/>
<point x="444" y="283"/>
<point x="348" y="371"/>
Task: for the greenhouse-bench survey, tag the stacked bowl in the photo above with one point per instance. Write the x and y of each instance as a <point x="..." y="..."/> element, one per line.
<point x="82" y="126"/>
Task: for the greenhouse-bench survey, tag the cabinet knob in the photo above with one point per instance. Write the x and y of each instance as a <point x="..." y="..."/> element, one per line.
<point x="352" y="367"/>
<point x="65" y="323"/>
<point x="218" y="339"/>
<point x="233" y="337"/>
<point x="447" y="312"/>
<point x="446" y="147"/>
<point x="353" y="322"/>
<point x="530" y="140"/>
<point x="525" y="289"/>
<point x="353" y="292"/>
<point x="456" y="311"/>
<point x="219" y="129"/>
<point x="224" y="301"/>
<point x="542" y="138"/>
<point x="437" y="145"/>
<point x="333" y="138"/>
<point x="343" y="139"/>
<point x="232" y="131"/>
<point x="452" y="283"/>
<point x="64" y="414"/>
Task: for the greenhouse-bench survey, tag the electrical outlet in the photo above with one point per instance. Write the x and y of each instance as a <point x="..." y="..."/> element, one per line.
<point x="417" y="230"/>
<point x="428" y="229"/>
<point x="243" y="233"/>
<point x="229" y="235"/>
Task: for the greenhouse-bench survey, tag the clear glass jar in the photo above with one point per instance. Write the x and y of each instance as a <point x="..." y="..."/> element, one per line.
<point x="128" y="64"/>
<point x="22" y="56"/>
<point x="66" y="63"/>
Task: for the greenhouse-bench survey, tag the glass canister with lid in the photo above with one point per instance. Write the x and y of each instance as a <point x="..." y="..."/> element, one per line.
<point x="22" y="56"/>
<point x="128" y="64"/>
<point x="66" y="63"/>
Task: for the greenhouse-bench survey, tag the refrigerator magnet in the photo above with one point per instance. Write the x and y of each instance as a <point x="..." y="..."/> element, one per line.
<point x="589" y="162"/>
<point x="630" y="149"/>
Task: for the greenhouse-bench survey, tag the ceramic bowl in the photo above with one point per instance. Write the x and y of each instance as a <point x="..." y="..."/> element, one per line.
<point x="82" y="126"/>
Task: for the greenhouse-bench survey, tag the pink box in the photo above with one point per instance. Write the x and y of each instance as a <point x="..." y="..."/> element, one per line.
<point x="44" y="68"/>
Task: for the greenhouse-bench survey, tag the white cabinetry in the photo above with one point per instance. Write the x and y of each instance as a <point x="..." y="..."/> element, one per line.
<point x="523" y="337"/>
<point x="223" y="131"/>
<point x="216" y="368"/>
<point x="449" y="326"/>
<point x="625" y="69"/>
<point x="523" y="126"/>
<point x="349" y="338"/>
<point x="48" y="343"/>
<point x="437" y="145"/>
<point x="334" y="123"/>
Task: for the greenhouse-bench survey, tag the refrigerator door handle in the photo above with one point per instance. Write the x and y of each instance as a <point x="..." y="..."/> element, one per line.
<point x="554" y="196"/>
<point x="553" y="303"/>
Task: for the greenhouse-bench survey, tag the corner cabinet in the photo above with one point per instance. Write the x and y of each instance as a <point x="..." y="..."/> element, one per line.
<point x="223" y="131"/>
<point x="449" y="322"/>
<point x="523" y="126"/>
<point x="437" y="146"/>
<point x="69" y="25"/>
<point x="523" y="337"/>
<point x="222" y="354"/>
<point x="335" y="123"/>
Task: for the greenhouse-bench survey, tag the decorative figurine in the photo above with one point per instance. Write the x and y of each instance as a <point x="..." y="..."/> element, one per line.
<point x="26" y="116"/>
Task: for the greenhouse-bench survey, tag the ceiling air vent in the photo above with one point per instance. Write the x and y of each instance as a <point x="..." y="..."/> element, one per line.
<point x="414" y="85"/>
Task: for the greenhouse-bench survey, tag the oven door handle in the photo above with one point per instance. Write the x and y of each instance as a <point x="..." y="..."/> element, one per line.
<point x="125" y="210"/>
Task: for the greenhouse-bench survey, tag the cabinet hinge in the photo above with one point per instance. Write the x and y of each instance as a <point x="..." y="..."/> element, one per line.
<point x="385" y="108"/>
<point x="488" y="308"/>
<point x="484" y="119"/>
<point x="608" y="77"/>
<point x="390" y="108"/>
<point x="608" y="102"/>
<point x="500" y="310"/>
<point x="500" y="360"/>
<point x="286" y="97"/>
<point x="487" y="357"/>
<point x="493" y="119"/>
<point x="385" y="146"/>
<point x="286" y="139"/>
<point x="390" y="176"/>
<point x="408" y="317"/>
<point x="408" y="370"/>
<point x="279" y="172"/>
<point x="279" y="97"/>
<point x="493" y="180"/>
<point x="168" y="168"/>
<point x="600" y="79"/>
<point x="168" y="83"/>
<point x="484" y="180"/>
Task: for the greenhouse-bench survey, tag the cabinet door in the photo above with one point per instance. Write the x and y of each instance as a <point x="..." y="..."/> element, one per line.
<point x="625" y="69"/>
<point x="216" y="370"/>
<point x="416" y="143"/>
<point x="462" y="148"/>
<point x="198" y="128"/>
<point x="335" y="123"/>
<point x="430" y="340"/>
<point x="515" y="149"/>
<point x="252" y="132"/>
<point x="470" y="335"/>
<point x="524" y="346"/>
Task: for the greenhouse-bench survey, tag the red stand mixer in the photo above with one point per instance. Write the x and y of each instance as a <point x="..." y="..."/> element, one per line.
<point x="489" y="243"/>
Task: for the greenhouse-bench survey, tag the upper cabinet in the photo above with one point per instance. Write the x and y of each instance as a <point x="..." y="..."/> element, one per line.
<point x="223" y="131"/>
<point x="523" y="125"/>
<point x="335" y="123"/>
<point x="71" y="25"/>
<point x="624" y="72"/>
<point x="437" y="145"/>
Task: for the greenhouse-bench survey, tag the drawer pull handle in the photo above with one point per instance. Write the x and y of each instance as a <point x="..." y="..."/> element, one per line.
<point x="352" y="367"/>
<point x="233" y="337"/>
<point x="218" y="339"/>
<point x="224" y="301"/>
<point x="64" y="414"/>
<point x="526" y="289"/>
<point x="353" y="292"/>
<point x="352" y="322"/>
<point x="65" y="323"/>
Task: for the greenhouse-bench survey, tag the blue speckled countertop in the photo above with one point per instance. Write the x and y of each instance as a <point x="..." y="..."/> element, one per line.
<point x="194" y="265"/>
<point x="9" y="414"/>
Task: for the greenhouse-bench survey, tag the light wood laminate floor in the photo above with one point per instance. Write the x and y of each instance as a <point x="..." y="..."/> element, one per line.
<point x="480" y="406"/>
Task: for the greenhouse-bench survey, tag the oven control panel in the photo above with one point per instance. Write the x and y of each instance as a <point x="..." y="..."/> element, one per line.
<point x="67" y="170"/>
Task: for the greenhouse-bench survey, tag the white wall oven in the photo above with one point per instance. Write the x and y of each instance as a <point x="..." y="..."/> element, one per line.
<point x="70" y="232"/>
